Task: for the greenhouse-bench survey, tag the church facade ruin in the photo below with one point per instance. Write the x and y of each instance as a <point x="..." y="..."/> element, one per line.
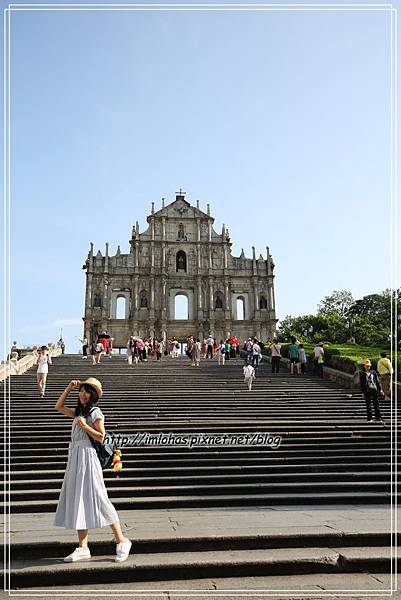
<point x="179" y="255"/>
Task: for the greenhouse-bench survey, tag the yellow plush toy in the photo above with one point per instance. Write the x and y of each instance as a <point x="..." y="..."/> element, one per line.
<point x="117" y="462"/>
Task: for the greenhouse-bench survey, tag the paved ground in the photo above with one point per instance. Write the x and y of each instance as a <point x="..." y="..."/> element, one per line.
<point x="179" y="523"/>
<point x="182" y="523"/>
<point x="299" y="587"/>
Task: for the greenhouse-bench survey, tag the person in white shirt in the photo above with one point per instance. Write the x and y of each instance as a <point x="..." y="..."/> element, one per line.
<point x="249" y="374"/>
<point x="318" y="358"/>
<point x="209" y="344"/>
<point x="43" y="363"/>
<point x="85" y="345"/>
<point x="256" y="355"/>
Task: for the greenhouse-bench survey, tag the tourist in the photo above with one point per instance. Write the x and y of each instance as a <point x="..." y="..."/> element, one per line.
<point x="83" y="503"/>
<point x="103" y="341"/>
<point x="221" y="352"/>
<point x="233" y="347"/>
<point x="99" y="350"/>
<point x="249" y="374"/>
<point x="256" y="355"/>
<point x="385" y="370"/>
<point x="175" y="348"/>
<point x="215" y="346"/>
<point x="110" y="346"/>
<point x="130" y="347"/>
<point x="248" y="347"/>
<point x="276" y="356"/>
<point x="302" y="358"/>
<point x="236" y="341"/>
<point x="43" y="363"/>
<point x="190" y="349"/>
<point x="14" y="353"/>
<point x="145" y="350"/>
<point x="209" y="345"/>
<point x="158" y="349"/>
<point x="318" y="360"/>
<point x="228" y="349"/>
<point x="370" y="386"/>
<point x="196" y="353"/>
<point x="85" y="345"/>
<point x="293" y="355"/>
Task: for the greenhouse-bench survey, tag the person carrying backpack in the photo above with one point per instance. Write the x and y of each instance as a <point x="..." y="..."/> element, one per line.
<point x="275" y="348"/>
<point x="83" y="503"/>
<point x="294" y="355"/>
<point x="370" y="386"/>
<point x="221" y="352"/>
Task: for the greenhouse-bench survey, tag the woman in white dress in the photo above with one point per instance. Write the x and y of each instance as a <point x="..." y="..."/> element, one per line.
<point x="83" y="502"/>
<point x="43" y="363"/>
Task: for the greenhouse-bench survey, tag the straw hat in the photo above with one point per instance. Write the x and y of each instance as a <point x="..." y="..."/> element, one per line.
<point x="95" y="383"/>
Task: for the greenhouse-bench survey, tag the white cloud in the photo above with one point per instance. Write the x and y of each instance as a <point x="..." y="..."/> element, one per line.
<point x="66" y="322"/>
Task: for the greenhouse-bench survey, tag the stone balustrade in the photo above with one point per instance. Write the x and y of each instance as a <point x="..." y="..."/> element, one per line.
<point x="13" y="366"/>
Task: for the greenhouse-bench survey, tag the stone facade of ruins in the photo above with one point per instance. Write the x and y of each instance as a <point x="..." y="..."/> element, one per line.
<point x="179" y="254"/>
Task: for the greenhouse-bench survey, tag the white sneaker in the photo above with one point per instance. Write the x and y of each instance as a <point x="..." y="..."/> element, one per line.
<point x="78" y="554"/>
<point x="122" y="550"/>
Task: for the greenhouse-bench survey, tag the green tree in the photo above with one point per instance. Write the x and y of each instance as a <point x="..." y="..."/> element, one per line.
<point x="338" y="302"/>
<point x="371" y="316"/>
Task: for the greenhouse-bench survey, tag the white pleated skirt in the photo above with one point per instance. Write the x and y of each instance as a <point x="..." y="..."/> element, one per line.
<point x="83" y="502"/>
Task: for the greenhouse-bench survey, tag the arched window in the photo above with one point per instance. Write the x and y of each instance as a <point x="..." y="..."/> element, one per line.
<point x="262" y="302"/>
<point x="143" y="300"/>
<point x="120" y="307"/>
<point x="181" y="307"/>
<point x="219" y="301"/>
<point x="181" y="261"/>
<point x="240" y="309"/>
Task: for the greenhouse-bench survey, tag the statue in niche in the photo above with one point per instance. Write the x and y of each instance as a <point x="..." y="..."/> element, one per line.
<point x="181" y="261"/>
<point x="219" y="302"/>
<point x="97" y="300"/>
<point x="263" y="303"/>
<point x="181" y="233"/>
<point x="143" y="300"/>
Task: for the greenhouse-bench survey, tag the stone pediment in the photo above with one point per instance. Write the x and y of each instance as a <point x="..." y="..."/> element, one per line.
<point x="181" y="209"/>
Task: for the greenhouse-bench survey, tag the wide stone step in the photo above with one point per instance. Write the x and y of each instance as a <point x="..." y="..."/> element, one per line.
<point x="328" y="454"/>
<point x="147" y="502"/>
<point x="186" y="565"/>
<point x="151" y="480"/>
<point x="218" y="488"/>
<point x="341" y="470"/>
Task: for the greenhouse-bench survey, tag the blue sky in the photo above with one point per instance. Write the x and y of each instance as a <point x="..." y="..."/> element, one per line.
<point x="279" y="120"/>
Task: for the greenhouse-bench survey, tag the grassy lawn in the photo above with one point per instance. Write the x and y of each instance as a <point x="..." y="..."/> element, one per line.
<point x="344" y="356"/>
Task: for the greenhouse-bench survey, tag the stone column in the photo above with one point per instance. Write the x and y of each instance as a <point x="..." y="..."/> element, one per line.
<point x="152" y="244"/>
<point x="88" y="295"/>
<point x="209" y="225"/>
<point x="164" y="298"/>
<point x="136" y="255"/>
<point x="268" y="270"/>
<point x="135" y="291"/>
<point x="211" y="294"/>
<point x="200" y="307"/>
<point x="106" y="308"/>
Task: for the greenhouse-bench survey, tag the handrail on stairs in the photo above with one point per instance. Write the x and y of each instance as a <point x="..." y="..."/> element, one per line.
<point x="13" y="366"/>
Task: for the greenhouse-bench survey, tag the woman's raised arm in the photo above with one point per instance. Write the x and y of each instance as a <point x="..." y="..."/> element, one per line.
<point x="59" y="406"/>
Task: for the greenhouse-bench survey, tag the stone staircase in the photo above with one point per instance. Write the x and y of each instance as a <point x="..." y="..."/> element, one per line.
<point x="328" y="456"/>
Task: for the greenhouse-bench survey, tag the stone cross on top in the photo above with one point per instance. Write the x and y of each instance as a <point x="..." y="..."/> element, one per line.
<point x="180" y="194"/>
